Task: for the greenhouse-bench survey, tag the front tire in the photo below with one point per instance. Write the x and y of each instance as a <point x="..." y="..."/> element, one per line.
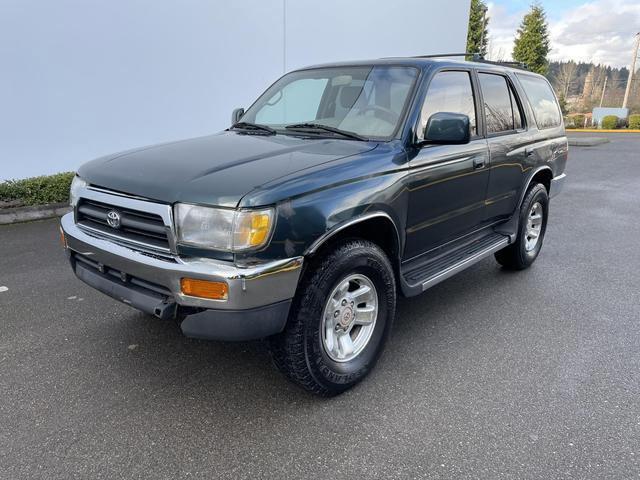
<point x="339" y="320"/>
<point x="531" y="229"/>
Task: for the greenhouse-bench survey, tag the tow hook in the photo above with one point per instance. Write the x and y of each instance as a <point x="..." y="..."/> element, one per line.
<point x="165" y="310"/>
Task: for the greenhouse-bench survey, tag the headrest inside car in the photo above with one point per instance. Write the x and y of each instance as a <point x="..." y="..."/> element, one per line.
<point x="349" y="96"/>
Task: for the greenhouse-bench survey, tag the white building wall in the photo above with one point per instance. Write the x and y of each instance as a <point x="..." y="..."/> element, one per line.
<point x="83" y="78"/>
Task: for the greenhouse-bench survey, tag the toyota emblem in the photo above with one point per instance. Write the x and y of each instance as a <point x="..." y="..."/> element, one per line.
<point x="113" y="219"/>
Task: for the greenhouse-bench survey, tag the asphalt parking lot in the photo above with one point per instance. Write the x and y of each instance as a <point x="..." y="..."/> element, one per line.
<point x="489" y="375"/>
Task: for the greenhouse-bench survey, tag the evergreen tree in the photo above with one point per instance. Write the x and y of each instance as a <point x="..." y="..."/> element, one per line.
<point x="531" y="45"/>
<point x="563" y="104"/>
<point x="477" y="35"/>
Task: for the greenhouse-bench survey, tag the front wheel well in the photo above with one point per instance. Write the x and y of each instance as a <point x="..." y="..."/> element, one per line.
<point x="379" y="230"/>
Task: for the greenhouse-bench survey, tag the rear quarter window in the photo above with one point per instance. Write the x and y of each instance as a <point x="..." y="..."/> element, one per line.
<point x="542" y="100"/>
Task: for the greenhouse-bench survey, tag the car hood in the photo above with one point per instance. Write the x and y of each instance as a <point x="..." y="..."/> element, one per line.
<point x="214" y="170"/>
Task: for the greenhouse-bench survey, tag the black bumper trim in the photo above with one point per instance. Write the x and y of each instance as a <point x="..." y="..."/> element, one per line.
<point x="237" y="325"/>
<point x="145" y="300"/>
<point x="229" y="325"/>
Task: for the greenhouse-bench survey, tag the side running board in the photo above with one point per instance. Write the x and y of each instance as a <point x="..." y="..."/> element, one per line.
<point x="435" y="270"/>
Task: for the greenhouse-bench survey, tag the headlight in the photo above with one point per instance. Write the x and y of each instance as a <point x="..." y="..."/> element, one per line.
<point x="223" y="229"/>
<point x="77" y="184"/>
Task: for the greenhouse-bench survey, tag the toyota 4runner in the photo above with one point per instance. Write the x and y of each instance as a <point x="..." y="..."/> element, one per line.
<point x="341" y="187"/>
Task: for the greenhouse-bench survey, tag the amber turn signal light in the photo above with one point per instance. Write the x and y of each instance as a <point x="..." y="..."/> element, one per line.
<point x="204" y="289"/>
<point x="63" y="239"/>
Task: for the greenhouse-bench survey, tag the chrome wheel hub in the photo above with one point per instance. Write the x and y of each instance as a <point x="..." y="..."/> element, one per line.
<point x="534" y="227"/>
<point x="349" y="318"/>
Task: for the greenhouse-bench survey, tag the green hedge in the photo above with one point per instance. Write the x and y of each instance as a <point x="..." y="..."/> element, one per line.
<point x="634" y="122"/>
<point x="578" y="121"/>
<point x="37" y="190"/>
<point x="609" y="122"/>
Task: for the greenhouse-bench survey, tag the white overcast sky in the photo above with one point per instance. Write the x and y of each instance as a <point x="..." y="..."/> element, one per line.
<point x="601" y="31"/>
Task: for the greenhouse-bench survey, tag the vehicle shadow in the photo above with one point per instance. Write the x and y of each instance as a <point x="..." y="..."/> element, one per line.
<point x="156" y="353"/>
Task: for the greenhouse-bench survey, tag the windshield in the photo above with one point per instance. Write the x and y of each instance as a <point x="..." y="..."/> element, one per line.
<point x="368" y="101"/>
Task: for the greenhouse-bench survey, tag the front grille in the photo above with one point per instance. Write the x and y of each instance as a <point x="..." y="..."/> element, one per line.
<point x="135" y="226"/>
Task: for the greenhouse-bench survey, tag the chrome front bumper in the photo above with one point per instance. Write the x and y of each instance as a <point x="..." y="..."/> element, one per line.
<point x="249" y="288"/>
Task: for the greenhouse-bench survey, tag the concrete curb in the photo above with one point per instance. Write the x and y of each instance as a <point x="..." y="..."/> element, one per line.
<point x="600" y="130"/>
<point x="587" y="141"/>
<point x="37" y="212"/>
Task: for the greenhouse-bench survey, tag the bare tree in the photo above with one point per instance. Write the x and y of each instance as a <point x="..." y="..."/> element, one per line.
<point x="615" y="91"/>
<point x="565" y="77"/>
<point x="600" y="73"/>
<point x="497" y="54"/>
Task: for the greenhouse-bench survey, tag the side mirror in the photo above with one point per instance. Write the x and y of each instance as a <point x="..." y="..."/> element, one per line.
<point x="448" y="128"/>
<point x="236" y="115"/>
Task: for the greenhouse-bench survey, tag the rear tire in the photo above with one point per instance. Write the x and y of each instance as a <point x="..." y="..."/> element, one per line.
<point x="348" y="292"/>
<point x="531" y="229"/>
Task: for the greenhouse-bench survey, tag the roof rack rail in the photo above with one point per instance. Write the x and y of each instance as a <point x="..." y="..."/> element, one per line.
<point x="477" y="57"/>
<point x="474" y="56"/>
<point x="520" y="65"/>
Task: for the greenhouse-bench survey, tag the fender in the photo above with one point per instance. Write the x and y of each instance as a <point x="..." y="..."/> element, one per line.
<point x="510" y="227"/>
<point x="532" y="174"/>
<point x="348" y="223"/>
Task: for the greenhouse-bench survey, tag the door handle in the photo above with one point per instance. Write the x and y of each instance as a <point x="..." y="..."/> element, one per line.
<point x="478" y="162"/>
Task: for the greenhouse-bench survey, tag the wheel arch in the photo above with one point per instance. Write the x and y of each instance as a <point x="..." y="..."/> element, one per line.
<point x="543" y="175"/>
<point x="377" y="227"/>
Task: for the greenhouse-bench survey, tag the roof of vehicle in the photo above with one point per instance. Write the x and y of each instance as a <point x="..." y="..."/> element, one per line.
<point x="422" y="63"/>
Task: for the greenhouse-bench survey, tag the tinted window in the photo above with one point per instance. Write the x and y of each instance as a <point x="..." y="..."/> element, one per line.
<point x="500" y="106"/>
<point x="542" y="100"/>
<point x="449" y="92"/>
<point x="517" y="115"/>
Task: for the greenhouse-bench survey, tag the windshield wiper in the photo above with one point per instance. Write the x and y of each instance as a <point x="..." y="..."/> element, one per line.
<point x="254" y="127"/>
<point x="324" y="128"/>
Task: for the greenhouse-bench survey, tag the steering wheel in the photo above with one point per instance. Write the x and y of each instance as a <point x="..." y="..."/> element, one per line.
<point x="387" y="114"/>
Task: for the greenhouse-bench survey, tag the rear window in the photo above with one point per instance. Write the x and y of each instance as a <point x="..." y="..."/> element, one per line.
<point x="542" y="100"/>
<point x="502" y="113"/>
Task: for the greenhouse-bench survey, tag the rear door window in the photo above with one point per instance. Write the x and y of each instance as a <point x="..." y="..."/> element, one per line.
<point x="542" y="100"/>
<point x="502" y="112"/>
<point x="517" y="114"/>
